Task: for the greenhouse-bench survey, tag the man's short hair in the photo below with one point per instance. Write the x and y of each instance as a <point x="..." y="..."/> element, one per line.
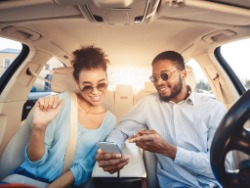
<point x="173" y="56"/>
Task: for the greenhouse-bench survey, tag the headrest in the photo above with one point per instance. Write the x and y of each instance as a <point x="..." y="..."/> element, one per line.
<point x="190" y="80"/>
<point x="123" y="89"/>
<point x="63" y="80"/>
<point x="149" y="86"/>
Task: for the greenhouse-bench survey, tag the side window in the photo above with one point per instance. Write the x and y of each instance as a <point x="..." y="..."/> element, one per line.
<point x="9" y="50"/>
<point x="238" y="60"/>
<point x="40" y="87"/>
<point x="201" y="83"/>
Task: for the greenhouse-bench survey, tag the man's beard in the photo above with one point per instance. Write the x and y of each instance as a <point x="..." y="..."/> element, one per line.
<point x="176" y="91"/>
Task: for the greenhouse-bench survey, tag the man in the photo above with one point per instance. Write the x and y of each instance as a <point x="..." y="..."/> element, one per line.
<point x="175" y="123"/>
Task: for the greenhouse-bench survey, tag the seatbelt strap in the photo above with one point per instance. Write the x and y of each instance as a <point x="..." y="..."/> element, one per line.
<point x="219" y="90"/>
<point x="31" y="72"/>
<point x="71" y="148"/>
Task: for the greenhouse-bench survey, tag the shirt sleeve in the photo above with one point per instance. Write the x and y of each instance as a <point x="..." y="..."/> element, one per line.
<point x="37" y="162"/>
<point x="49" y="137"/>
<point x="82" y="169"/>
<point x="132" y="122"/>
<point x="199" y="162"/>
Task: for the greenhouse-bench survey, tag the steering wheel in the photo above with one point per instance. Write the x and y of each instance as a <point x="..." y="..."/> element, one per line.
<point x="231" y="135"/>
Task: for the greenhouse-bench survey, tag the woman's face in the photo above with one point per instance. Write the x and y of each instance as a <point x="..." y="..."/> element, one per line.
<point x="93" y="84"/>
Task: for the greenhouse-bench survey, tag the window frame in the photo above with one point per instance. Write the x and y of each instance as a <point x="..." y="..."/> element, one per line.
<point x="10" y="71"/>
<point x="231" y="74"/>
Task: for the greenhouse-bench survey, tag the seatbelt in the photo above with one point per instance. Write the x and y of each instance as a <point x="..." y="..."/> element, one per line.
<point x="218" y="87"/>
<point x="71" y="148"/>
<point x="33" y="73"/>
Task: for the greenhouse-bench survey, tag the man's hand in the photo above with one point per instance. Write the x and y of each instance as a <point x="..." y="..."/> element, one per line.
<point x="111" y="162"/>
<point x="150" y="140"/>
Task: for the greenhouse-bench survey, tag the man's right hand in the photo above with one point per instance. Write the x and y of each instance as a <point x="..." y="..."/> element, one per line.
<point x="111" y="162"/>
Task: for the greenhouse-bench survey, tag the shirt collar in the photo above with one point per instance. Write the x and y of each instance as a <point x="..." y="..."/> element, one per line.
<point x="190" y="98"/>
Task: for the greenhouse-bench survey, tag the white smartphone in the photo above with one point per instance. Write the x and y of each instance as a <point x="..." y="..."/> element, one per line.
<point x="109" y="147"/>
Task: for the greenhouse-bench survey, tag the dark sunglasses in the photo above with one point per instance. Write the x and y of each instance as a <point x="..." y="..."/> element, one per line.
<point x="164" y="76"/>
<point x="89" y="89"/>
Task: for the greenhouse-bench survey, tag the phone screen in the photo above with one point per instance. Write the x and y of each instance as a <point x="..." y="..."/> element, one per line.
<point x="109" y="147"/>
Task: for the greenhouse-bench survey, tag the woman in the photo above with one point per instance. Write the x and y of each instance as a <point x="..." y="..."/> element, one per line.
<point x="44" y="155"/>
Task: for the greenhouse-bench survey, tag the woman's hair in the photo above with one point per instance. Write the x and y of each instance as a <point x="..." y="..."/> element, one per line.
<point x="173" y="56"/>
<point x="88" y="57"/>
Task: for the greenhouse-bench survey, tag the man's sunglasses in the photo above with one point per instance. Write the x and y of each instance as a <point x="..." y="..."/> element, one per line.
<point x="164" y="76"/>
<point x="89" y="89"/>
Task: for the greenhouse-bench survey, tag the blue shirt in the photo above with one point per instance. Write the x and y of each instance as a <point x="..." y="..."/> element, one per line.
<point x="189" y="125"/>
<point x="50" y="166"/>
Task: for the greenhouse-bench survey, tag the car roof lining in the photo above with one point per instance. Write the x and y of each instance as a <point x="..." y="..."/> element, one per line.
<point x="192" y="10"/>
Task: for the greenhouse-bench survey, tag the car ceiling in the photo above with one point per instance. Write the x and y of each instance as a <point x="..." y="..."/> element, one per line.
<point x="129" y="31"/>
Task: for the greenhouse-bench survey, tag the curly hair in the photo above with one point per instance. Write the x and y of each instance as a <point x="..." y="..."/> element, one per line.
<point x="88" y="57"/>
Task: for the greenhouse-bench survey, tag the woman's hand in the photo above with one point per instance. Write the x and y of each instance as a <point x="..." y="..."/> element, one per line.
<point x="111" y="162"/>
<point x="45" y="110"/>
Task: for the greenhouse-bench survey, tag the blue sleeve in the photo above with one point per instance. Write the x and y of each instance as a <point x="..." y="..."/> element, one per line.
<point x="38" y="162"/>
<point x="82" y="169"/>
<point x="49" y="135"/>
<point x="131" y="123"/>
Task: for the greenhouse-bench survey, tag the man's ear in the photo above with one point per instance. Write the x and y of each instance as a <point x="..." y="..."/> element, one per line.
<point x="183" y="74"/>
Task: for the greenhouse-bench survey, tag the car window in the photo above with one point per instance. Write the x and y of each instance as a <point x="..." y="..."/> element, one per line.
<point x="201" y="82"/>
<point x="9" y="51"/>
<point x="41" y="88"/>
<point x="237" y="55"/>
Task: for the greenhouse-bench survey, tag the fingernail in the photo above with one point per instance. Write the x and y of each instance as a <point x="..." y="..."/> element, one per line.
<point x="119" y="155"/>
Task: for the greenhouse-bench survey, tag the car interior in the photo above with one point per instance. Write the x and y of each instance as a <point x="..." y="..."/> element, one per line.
<point x="132" y="33"/>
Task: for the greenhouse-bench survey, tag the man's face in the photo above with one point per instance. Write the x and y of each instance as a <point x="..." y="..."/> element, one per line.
<point x="168" y="88"/>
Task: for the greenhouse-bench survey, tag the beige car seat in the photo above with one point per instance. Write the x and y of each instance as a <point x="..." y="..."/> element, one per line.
<point x="13" y="154"/>
<point x="124" y="95"/>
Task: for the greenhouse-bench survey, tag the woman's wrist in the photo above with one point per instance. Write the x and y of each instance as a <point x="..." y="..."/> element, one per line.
<point x="39" y="127"/>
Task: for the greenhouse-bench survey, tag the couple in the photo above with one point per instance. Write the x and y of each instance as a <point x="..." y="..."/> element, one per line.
<point x="174" y="123"/>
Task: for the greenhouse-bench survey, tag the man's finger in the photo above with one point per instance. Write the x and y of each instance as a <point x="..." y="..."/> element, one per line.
<point x="146" y="132"/>
<point x="141" y="138"/>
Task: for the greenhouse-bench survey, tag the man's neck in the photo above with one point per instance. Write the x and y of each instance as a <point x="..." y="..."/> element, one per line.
<point x="182" y="95"/>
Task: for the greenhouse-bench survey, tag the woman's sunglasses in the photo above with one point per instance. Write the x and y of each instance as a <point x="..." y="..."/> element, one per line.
<point x="164" y="76"/>
<point x="89" y="89"/>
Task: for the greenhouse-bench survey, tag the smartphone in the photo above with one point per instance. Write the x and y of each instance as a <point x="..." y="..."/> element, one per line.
<point x="109" y="147"/>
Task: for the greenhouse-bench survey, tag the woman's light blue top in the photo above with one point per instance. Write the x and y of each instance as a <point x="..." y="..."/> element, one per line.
<point x="50" y="166"/>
